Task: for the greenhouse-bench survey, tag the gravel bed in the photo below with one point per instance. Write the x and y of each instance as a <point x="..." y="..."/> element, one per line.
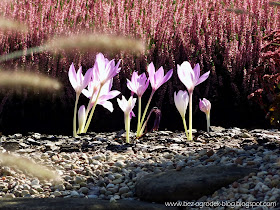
<point x="100" y="165"/>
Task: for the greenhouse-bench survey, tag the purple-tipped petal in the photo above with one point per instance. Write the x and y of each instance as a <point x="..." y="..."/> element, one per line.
<point x="196" y="71"/>
<point x="87" y="77"/>
<point x="134" y="77"/>
<point x="159" y="74"/>
<point x="111" y="70"/>
<point x="80" y="76"/>
<point x="167" y="76"/>
<point x="110" y="95"/>
<point x="202" y="78"/>
<point x="100" y="63"/>
<point x="144" y="88"/>
<point x="151" y="71"/>
<point x="131" y="114"/>
<point x="73" y="76"/>
<point x="130" y="85"/>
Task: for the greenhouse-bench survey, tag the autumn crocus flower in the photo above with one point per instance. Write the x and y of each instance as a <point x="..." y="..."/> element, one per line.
<point x="105" y="94"/>
<point x="157" y="78"/>
<point x="190" y="78"/>
<point x="78" y="82"/>
<point x="205" y="106"/>
<point x="181" y="102"/>
<point x="99" y="95"/>
<point x="105" y="69"/>
<point x="103" y="72"/>
<point x="138" y="85"/>
<point x="127" y="106"/>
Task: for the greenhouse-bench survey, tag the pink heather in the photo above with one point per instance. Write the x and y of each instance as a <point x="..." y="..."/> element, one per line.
<point x="200" y="31"/>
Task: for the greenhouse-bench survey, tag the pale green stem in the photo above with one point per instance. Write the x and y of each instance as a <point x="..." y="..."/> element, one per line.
<point x="75" y="116"/>
<point x="143" y="127"/>
<point x="82" y="130"/>
<point x="208" y="121"/>
<point x="190" y="117"/>
<point x="127" y="126"/>
<point x="92" y="111"/>
<point x="139" y="113"/>
<point x="144" y="113"/>
<point x="185" y="126"/>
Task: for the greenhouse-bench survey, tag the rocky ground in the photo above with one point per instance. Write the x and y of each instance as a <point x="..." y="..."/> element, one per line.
<point x="233" y="165"/>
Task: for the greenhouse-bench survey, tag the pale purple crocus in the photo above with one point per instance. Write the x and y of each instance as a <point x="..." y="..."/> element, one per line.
<point x="105" y="94"/>
<point x="205" y="106"/>
<point x="181" y="102"/>
<point x="78" y="82"/>
<point x="127" y="106"/>
<point x="105" y="69"/>
<point x="99" y="95"/>
<point x="157" y="78"/>
<point x="138" y="85"/>
<point x="99" y="90"/>
<point x="190" y="78"/>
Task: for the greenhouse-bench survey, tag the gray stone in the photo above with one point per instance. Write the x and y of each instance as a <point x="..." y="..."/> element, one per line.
<point x="84" y="190"/>
<point x="123" y="190"/>
<point x="9" y="195"/>
<point x="217" y="129"/>
<point x="187" y="184"/>
<point x="10" y="145"/>
<point x="75" y="194"/>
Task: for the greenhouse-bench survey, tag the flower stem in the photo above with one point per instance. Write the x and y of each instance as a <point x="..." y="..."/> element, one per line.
<point x="208" y="121"/>
<point x="190" y="117"/>
<point x="139" y="113"/>
<point x="185" y="126"/>
<point x="92" y="111"/>
<point x="127" y="126"/>
<point x="82" y="128"/>
<point x="144" y="113"/>
<point x="75" y="116"/>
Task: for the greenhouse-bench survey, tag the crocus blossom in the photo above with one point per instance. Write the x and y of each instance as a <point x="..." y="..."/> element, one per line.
<point x="205" y="106"/>
<point x="105" y="94"/>
<point x="103" y="72"/>
<point x="77" y="80"/>
<point x="81" y="118"/>
<point x="138" y="83"/>
<point x="191" y="77"/>
<point x="181" y="102"/>
<point x="157" y="78"/>
<point x="127" y="106"/>
<point x="105" y="69"/>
